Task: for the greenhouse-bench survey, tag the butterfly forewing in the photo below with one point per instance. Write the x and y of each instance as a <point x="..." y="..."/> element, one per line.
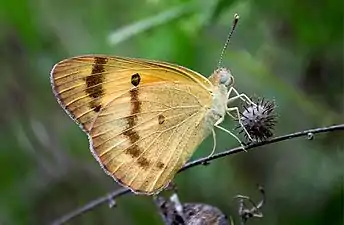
<point x="144" y="119"/>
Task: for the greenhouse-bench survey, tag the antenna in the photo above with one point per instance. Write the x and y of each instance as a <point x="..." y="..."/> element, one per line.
<point x="235" y="22"/>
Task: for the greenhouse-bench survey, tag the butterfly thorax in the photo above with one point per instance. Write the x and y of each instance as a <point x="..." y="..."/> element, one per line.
<point x="222" y="80"/>
<point x="218" y="108"/>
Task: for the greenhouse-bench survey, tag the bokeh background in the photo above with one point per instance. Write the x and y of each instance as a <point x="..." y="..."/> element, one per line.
<point x="288" y="51"/>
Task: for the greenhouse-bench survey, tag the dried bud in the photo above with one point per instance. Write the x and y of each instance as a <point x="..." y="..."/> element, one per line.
<point x="259" y="120"/>
<point x="175" y="213"/>
<point x="202" y="214"/>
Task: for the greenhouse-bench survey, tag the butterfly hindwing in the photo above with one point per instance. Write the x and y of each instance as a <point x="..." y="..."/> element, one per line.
<point x="144" y="145"/>
<point x="144" y="118"/>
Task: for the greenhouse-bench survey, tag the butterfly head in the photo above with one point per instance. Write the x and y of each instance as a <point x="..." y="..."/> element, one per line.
<point x="222" y="76"/>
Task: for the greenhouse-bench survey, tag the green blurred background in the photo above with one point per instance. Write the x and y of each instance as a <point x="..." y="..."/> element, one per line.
<point x="288" y="51"/>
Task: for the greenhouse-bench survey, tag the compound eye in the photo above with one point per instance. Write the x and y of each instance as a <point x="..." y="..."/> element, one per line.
<point x="226" y="78"/>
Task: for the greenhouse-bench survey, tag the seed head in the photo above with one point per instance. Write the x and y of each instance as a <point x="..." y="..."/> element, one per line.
<point x="259" y="120"/>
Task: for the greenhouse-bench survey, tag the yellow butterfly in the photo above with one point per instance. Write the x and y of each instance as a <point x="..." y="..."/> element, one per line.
<point x="144" y="119"/>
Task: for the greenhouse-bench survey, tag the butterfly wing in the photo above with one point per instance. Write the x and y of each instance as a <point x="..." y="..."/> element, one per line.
<point x="144" y="118"/>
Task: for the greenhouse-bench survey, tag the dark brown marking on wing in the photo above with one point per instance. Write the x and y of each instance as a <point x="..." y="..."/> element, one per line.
<point x="134" y="151"/>
<point x="143" y="162"/>
<point x="96" y="107"/>
<point x="133" y="136"/>
<point x="160" y="165"/>
<point x="161" y="119"/>
<point x="135" y="79"/>
<point x="94" y="82"/>
<point x="135" y="104"/>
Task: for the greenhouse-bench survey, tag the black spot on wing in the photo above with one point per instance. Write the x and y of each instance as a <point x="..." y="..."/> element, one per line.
<point x="135" y="79"/>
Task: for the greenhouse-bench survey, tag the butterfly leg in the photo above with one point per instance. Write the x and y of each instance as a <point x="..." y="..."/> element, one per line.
<point x="236" y="110"/>
<point x="243" y="98"/>
<point x="233" y="135"/>
<point x="227" y="131"/>
<point x="214" y="141"/>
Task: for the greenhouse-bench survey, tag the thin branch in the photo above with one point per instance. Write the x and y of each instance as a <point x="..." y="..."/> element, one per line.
<point x="258" y="144"/>
<point x="109" y="197"/>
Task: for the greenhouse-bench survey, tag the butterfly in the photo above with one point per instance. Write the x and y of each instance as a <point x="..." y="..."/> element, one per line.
<point x="144" y="118"/>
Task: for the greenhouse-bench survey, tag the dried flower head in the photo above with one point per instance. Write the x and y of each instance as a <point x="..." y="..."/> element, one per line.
<point x="174" y="212"/>
<point x="259" y="120"/>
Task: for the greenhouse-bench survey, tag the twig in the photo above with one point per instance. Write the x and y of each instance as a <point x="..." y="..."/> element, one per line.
<point x="108" y="198"/>
<point x="258" y="144"/>
<point x="200" y="161"/>
<point x="246" y="212"/>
